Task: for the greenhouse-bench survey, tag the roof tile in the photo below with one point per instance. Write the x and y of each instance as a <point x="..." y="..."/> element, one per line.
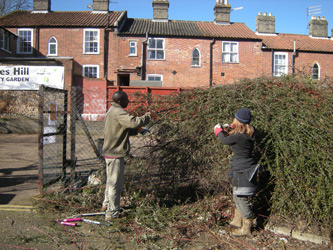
<point x="135" y="26"/>
<point x="59" y="19"/>
<point x="303" y="42"/>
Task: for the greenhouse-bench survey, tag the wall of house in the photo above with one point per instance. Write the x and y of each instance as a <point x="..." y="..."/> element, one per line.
<point x="176" y="68"/>
<point x="305" y="61"/>
<point x="70" y="44"/>
<point x="249" y="66"/>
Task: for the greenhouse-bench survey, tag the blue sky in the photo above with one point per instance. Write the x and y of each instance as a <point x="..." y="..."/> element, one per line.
<point x="290" y="15"/>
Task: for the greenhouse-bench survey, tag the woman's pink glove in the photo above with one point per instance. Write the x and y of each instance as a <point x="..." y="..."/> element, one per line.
<point x="217" y="129"/>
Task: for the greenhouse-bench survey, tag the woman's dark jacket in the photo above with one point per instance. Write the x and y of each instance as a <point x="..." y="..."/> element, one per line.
<point x="242" y="165"/>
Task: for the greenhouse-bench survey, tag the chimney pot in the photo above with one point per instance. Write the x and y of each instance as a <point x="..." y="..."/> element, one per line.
<point x="222" y="12"/>
<point x="101" y="5"/>
<point x="161" y="10"/>
<point x="265" y="24"/>
<point x="318" y="27"/>
<point x="42" y="5"/>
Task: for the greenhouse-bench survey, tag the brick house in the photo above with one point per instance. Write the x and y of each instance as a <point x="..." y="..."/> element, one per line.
<point x="106" y="47"/>
<point x="73" y="39"/>
<point x="202" y="54"/>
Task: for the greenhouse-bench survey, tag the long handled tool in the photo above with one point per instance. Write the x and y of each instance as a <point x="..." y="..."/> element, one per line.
<point x="88" y="221"/>
<point x="72" y="222"/>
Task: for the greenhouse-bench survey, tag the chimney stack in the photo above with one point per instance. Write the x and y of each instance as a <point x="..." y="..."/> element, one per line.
<point x="222" y="12"/>
<point x="100" y="6"/>
<point x="265" y="24"/>
<point x="42" y="6"/>
<point x="161" y="10"/>
<point x="318" y="27"/>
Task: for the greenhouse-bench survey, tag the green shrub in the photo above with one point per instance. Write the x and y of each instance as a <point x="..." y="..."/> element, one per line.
<point x="293" y="120"/>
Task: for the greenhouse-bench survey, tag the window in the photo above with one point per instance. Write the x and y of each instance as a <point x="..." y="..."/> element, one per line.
<point x="4" y="40"/>
<point x="316" y="72"/>
<point x="230" y="52"/>
<point x="53" y="47"/>
<point x="24" y="42"/>
<point x="91" y="71"/>
<point x="156" y="49"/>
<point x="132" y="48"/>
<point x="280" y="64"/>
<point x="155" y="77"/>
<point x="195" y="57"/>
<point x="91" y="41"/>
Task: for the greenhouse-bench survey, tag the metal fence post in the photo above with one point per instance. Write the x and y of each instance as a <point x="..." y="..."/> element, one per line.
<point x="40" y="138"/>
<point x="73" y="132"/>
<point x="64" y="138"/>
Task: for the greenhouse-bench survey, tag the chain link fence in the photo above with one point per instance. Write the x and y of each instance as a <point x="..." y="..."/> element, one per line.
<point x="70" y="128"/>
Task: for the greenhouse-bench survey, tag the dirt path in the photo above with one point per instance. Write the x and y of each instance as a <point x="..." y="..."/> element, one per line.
<point x="23" y="228"/>
<point x="18" y="168"/>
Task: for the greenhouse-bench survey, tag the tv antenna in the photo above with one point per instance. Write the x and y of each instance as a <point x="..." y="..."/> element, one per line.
<point x="310" y="11"/>
<point x="89" y="6"/>
<point x="238" y="8"/>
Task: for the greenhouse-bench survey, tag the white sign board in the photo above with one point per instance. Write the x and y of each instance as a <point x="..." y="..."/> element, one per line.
<point x="49" y="139"/>
<point x="23" y="77"/>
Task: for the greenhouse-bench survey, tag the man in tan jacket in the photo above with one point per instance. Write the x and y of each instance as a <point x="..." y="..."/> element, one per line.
<point x="119" y="126"/>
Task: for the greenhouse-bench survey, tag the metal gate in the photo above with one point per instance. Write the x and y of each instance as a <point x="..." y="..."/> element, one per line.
<point x="68" y="145"/>
<point x="52" y="137"/>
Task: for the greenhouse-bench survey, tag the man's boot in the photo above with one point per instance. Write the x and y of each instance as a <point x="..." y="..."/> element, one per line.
<point x="246" y="228"/>
<point x="237" y="220"/>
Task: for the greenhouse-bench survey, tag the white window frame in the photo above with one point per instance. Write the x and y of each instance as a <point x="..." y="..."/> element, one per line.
<point x="133" y="45"/>
<point x="283" y="68"/>
<point x="318" y="73"/>
<point x="199" y="63"/>
<point x="90" y="66"/>
<point x="5" y="43"/>
<point x="154" y="75"/>
<point x="150" y="50"/>
<point x="85" y="41"/>
<point x="228" y="55"/>
<point x="31" y="42"/>
<point x="53" y="43"/>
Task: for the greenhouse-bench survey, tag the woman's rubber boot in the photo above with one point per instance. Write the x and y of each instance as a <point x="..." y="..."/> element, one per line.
<point x="237" y="220"/>
<point x="246" y="228"/>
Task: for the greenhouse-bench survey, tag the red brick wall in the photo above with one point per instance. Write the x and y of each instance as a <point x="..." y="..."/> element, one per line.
<point x="70" y="44"/>
<point x="178" y="53"/>
<point x="91" y="98"/>
<point x="305" y="61"/>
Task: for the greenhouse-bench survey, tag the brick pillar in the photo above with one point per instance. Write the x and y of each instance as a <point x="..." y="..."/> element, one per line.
<point x="161" y="10"/>
<point x="318" y="27"/>
<point x="265" y="24"/>
<point x="222" y="12"/>
<point x="101" y="5"/>
<point x="42" y="5"/>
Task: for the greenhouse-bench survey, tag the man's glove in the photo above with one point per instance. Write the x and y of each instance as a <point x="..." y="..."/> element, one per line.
<point x="217" y="129"/>
<point x="143" y="130"/>
<point x="153" y="114"/>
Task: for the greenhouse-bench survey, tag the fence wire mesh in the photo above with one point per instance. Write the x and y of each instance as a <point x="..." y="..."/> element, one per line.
<point x="52" y="134"/>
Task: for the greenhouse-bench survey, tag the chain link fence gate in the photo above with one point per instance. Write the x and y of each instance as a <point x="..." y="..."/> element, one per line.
<point x="71" y="136"/>
<point x="68" y="138"/>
